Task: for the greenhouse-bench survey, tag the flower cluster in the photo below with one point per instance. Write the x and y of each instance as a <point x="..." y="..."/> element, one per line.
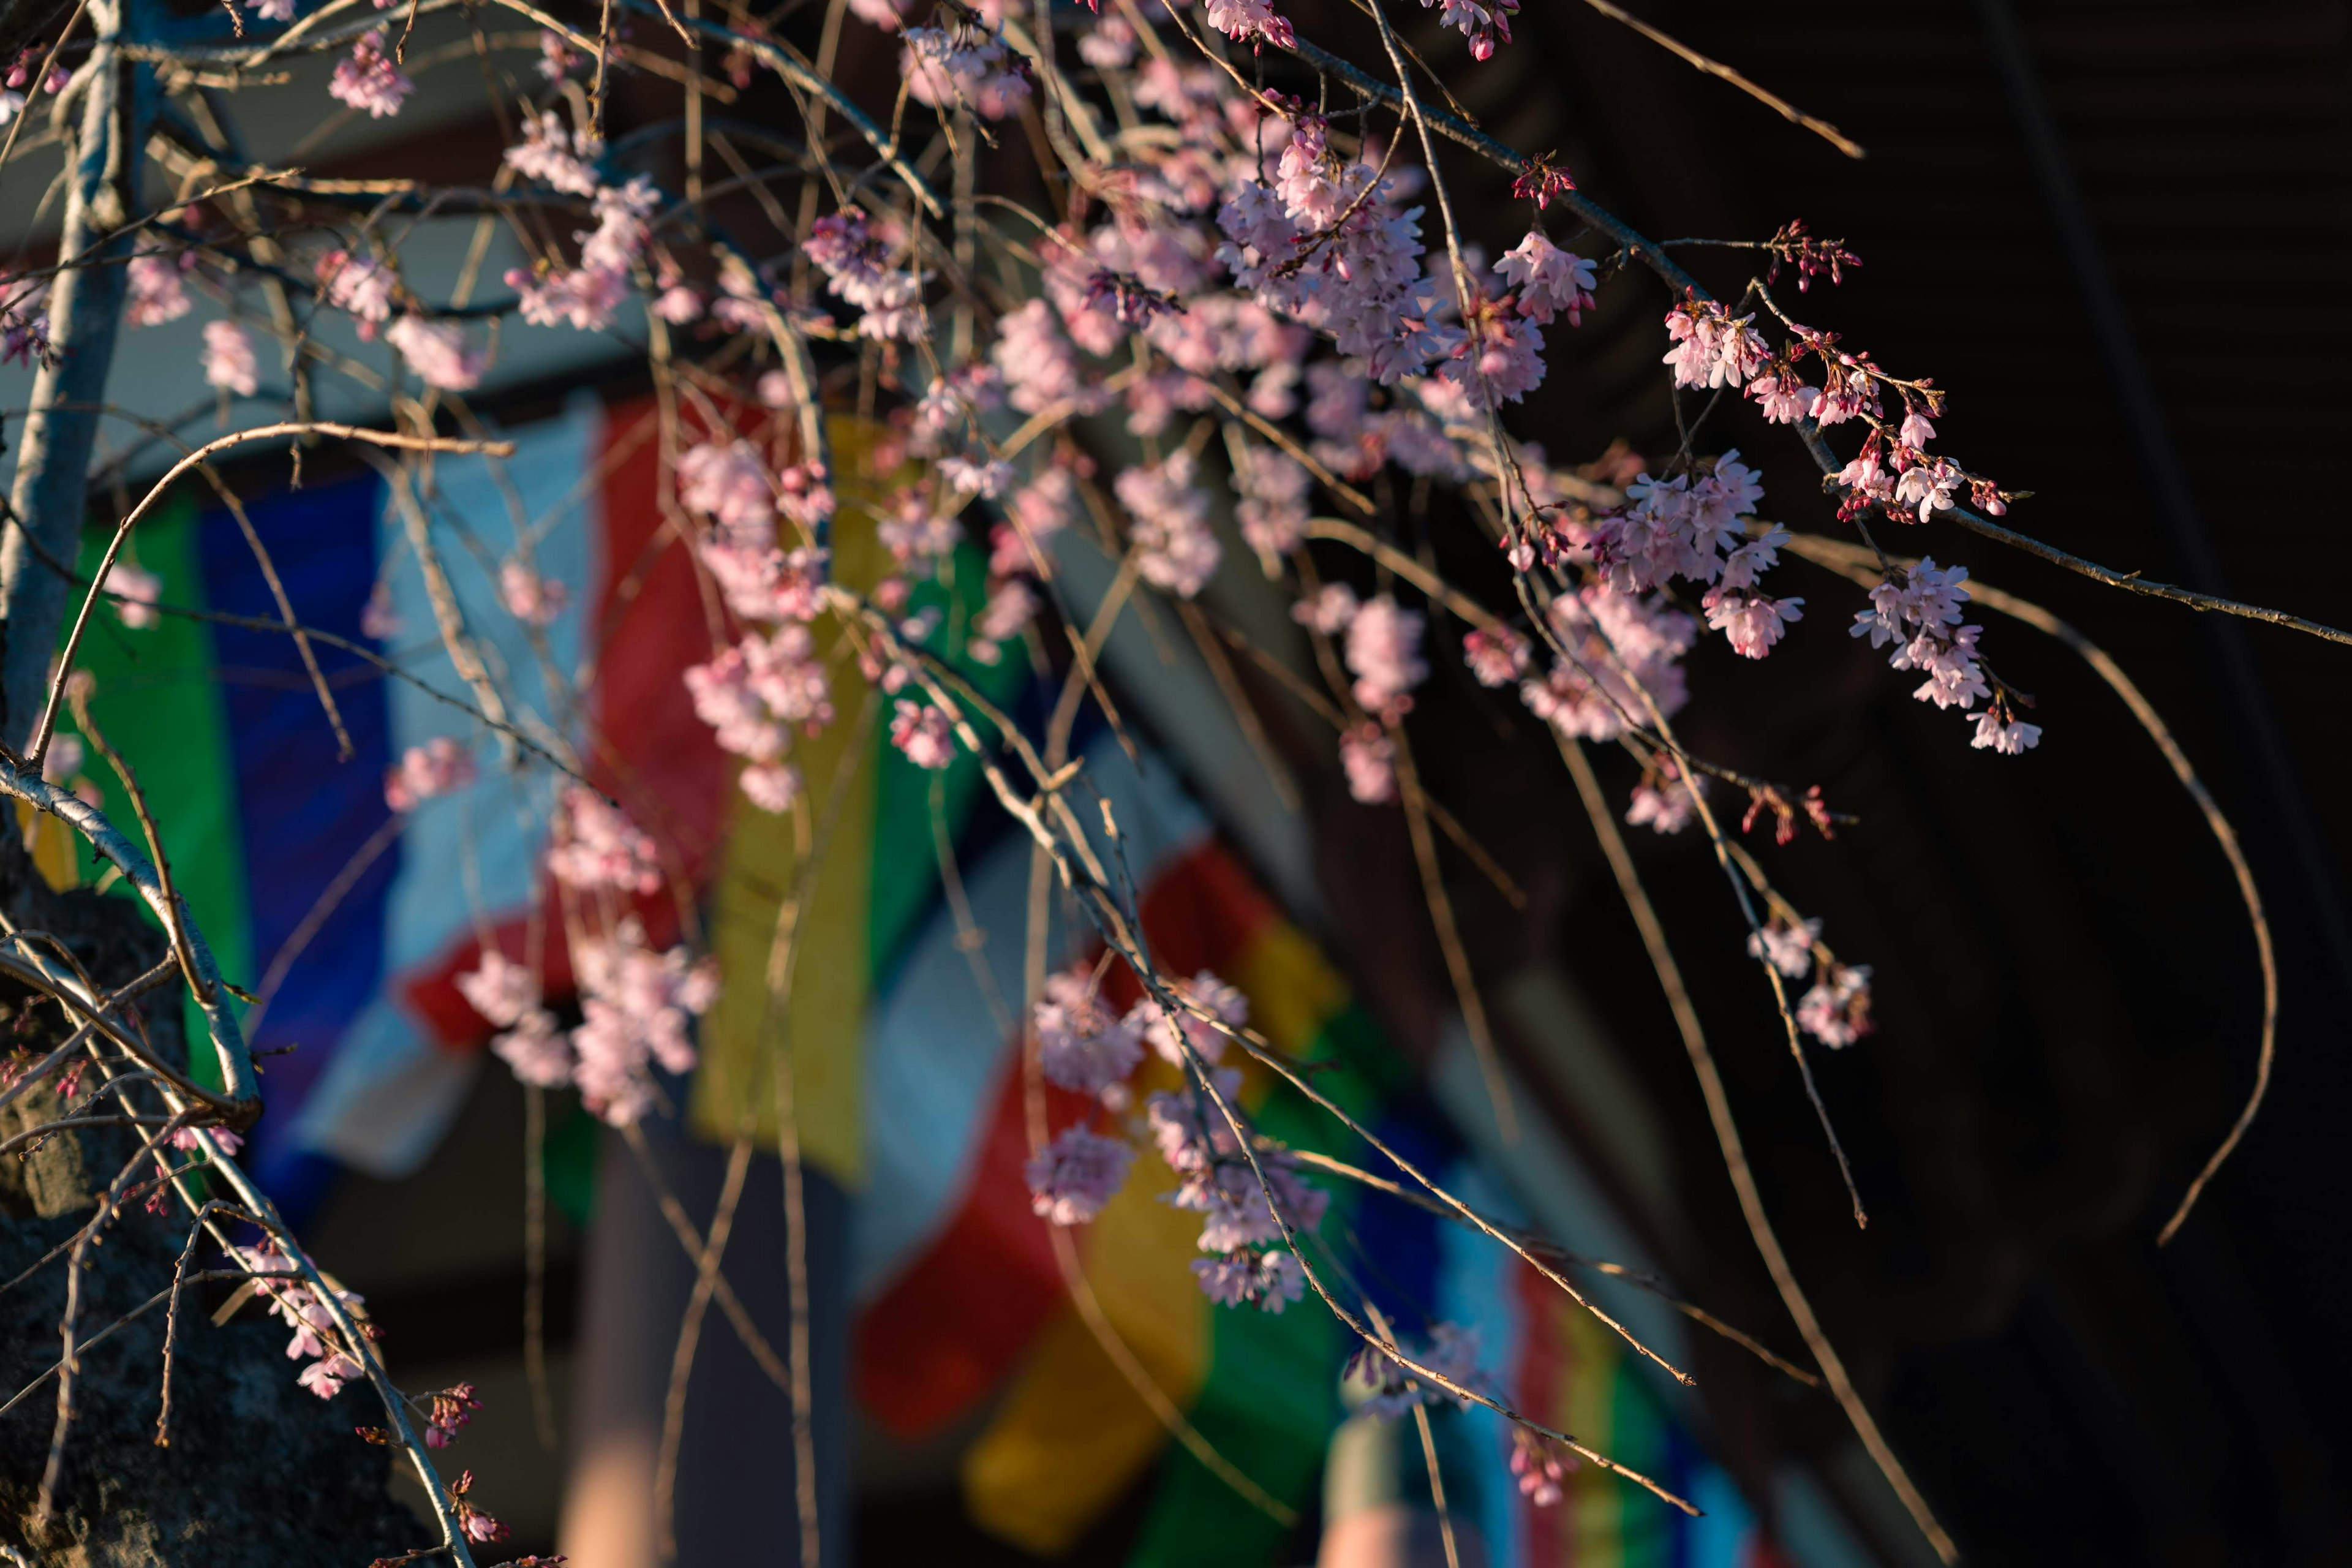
<point x="447" y="1412"/>
<point x="585" y="297"/>
<point x="1919" y="610"/>
<point x="296" y="1302"/>
<point x="439" y="766"/>
<point x="635" y="1003"/>
<point x="1686" y="527"/>
<point x="962" y="66"/>
<point x="157" y="295"/>
<point x="634" y="1006"/>
<point x="1082" y="1044"/>
<point x="1174" y="548"/>
<point x="367" y="79"/>
<point x="1539" y="1469"/>
<point x="1836" y="1010"/>
<point x="1230" y="1190"/>
<point x="229" y="364"/>
<point x="754" y="695"/>
<point x="598" y="846"/>
<point x="855" y="256"/>
<point x="438" y="351"/>
<point x="1074" y="1175"/>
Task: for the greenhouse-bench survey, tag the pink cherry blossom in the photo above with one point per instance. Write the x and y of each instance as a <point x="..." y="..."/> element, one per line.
<point x="1384" y="655"/>
<point x="439" y="766"/>
<point x="1499" y="358"/>
<point x="326" y="1377"/>
<point x="856" y="260"/>
<point x="1174" y="549"/>
<point x="1271" y="512"/>
<point x="1782" y="397"/>
<point x="360" y="285"/>
<point x="190" y="1140"/>
<point x="228" y="359"/>
<point x="1712" y="347"/>
<point x="772" y="786"/>
<point x="2009" y="737"/>
<point x="368" y="79"/>
<point x="961" y="67"/>
<point x="548" y="154"/>
<point x="1496" y="656"/>
<point x="1039" y="367"/>
<point x="1661" y="803"/>
<point x="534" y="600"/>
<point x="923" y="734"/>
<point x="1550" y="281"/>
<point x="598" y="846"/>
<point x="1082" y="1045"/>
<point x="535" y="1050"/>
<point x="1242" y="20"/>
<point x="1787" y="948"/>
<point x="1268" y="1280"/>
<point x="1074" y="1176"/>
<point x="1483" y="23"/>
<point x="135" y="592"/>
<point x="1329" y="609"/>
<point x="1012" y="605"/>
<point x="502" y="991"/>
<point x="727" y="482"/>
<point x="1836" y="1011"/>
<point x="1627" y="654"/>
<point x="1152" y="1024"/>
<point x="635" y="1003"/>
<point x="1751" y="622"/>
<point x="1109" y="44"/>
<point x="1369" y="758"/>
<point x="437" y="352"/>
<point x="157" y="294"/>
<point x="1540" y="1471"/>
<point x="378" y="619"/>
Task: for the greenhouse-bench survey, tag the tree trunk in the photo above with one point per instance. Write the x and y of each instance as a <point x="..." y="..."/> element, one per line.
<point x="52" y="486"/>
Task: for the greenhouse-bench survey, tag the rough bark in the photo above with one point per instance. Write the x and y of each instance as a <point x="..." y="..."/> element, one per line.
<point x="259" y="1470"/>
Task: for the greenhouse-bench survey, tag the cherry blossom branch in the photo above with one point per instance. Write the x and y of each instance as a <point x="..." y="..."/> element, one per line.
<point x="1082" y="872"/>
<point x="1851" y="564"/>
<point x="970" y="940"/>
<point x="1651" y="255"/>
<point x="1734" y="1154"/>
<point x="1206" y="1082"/>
